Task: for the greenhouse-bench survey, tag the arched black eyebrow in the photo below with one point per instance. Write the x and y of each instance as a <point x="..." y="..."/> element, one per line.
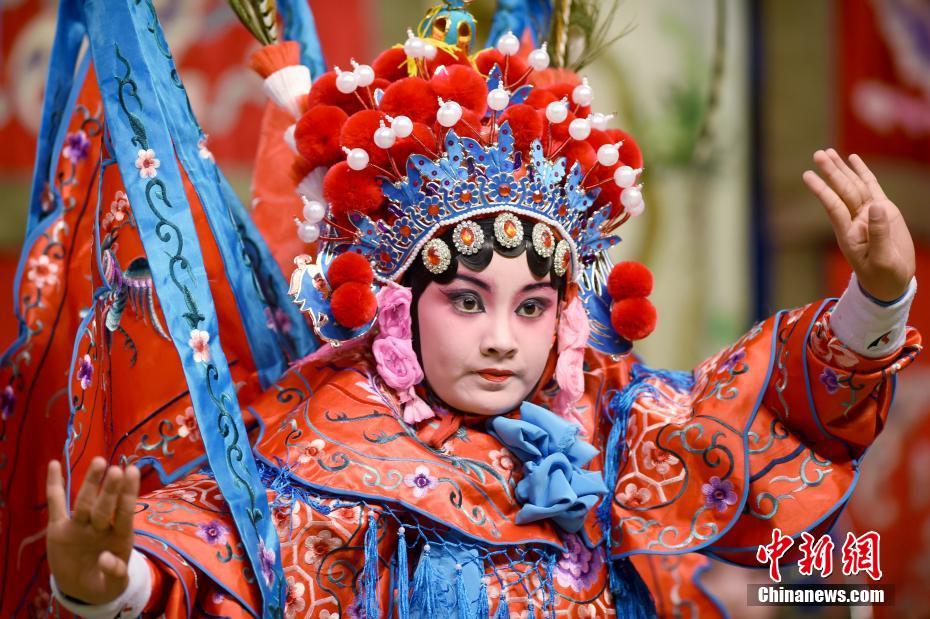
<point x="484" y="286"/>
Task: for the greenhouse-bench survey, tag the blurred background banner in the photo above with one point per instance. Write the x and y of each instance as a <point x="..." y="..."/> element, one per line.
<point x="728" y="100"/>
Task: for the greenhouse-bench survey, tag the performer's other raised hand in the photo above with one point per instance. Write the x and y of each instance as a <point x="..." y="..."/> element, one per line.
<point x="869" y="228"/>
<point x="88" y="552"/>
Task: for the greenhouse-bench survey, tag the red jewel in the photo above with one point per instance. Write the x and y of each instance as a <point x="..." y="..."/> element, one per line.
<point x="504" y="190"/>
<point x="547" y="239"/>
<point x="433" y="209"/>
<point x="465" y="197"/>
<point x="510" y="229"/>
<point x="405" y="231"/>
<point x="468" y="237"/>
<point x="562" y="211"/>
<point x="537" y="197"/>
<point x="433" y="256"/>
<point x="385" y="257"/>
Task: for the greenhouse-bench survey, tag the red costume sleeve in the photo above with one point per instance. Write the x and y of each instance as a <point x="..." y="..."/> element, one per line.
<point x="769" y="433"/>
<point x="201" y="570"/>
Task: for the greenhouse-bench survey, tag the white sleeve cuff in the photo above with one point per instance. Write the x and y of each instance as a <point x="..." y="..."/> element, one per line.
<point x="130" y="603"/>
<point x="870" y="329"/>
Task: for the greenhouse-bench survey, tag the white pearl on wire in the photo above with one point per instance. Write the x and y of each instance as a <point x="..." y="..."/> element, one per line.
<point x="308" y="232"/>
<point x="579" y="129"/>
<point x="449" y="113"/>
<point x="384" y="137"/>
<point x="625" y="176"/>
<point x="599" y="121"/>
<point x="402" y="126"/>
<point x="429" y="51"/>
<point x="498" y="99"/>
<point x="557" y="111"/>
<point x="508" y="44"/>
<point x="364" y="74"/>
<point x="539" y="58"/>
<point x="346" y="81"/>
<point x="631" y="198"/>
<point x="314" y="211"/>
<point x="357" y="158"/>
<point x="608" y="154"/>
<point x="414" y="46"/>
<point x="583" y="94"/>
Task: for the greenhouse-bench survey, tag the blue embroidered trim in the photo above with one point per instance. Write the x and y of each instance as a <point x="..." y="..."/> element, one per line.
<point x="174" y="257"/>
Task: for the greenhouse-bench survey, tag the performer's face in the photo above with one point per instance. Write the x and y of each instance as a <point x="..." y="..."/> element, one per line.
<point x="485" y="336"/>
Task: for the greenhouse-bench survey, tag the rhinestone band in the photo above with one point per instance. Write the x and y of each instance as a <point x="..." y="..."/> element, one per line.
<point x="436" y="256"/>
<point x="508" y="230"/>
<point x="543" y="240"/>
<point x="468" y="238"/>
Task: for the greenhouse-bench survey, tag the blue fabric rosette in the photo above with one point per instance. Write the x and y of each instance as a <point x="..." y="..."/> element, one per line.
<point x="554" y="484"/>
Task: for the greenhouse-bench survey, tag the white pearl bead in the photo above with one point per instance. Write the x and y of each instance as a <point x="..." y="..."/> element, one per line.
<point x="624" y="176"/>
<point x="308" y="232"/>
<point x="415" y="47"/>
<point x="539" y="58"/>
<point x="508" y="44"/>
<point x="449" y="113"/>
<point x="630" y="197"/>
<point x="429" y="51"/>
<point x="557" y="112"/>
<point x="402" y="126"/>
<point x="364" y="75"/>
<point x="608" y="154"/>
<point x="357" y="159"/>
<point x="498" y="99"/>
<point x="598" y="121"/>
<point x="346" y="82"/>
<point x="384" y="137"/>
<point x="314" y="211"/>
<point x="583" y="94"/>
<point x="579" y="129"/>
<point x="635" y="210"/>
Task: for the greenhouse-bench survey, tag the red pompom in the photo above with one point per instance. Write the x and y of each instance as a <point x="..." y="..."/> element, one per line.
<point x="359" y="131"/>
<point x="628" y="280"/>
<point x="353" y="305"/>
<point x="633" y="318"/>
<point x="513" y="68"/>
<point x="463" y="85"/>
<point x="317" y="135"/>
<point x="629" y="153"/>
<point x="610" y="193"/>
<point x="349" y="190"/>
<point x="559" y="131"/>
<point x="324" y="91"/>
<point x="391" y="64"/>
<point x="564" y="90"/>
<point x="421" y="142"/>
<point x="598" y="138"/>
<point x="300" y="168"/>
<point x="580" y="152"/>
<point x="539" y="98"/>
<point x="412" y="97"/>
<point x="349" y="267"/>
<point x="525" y="124"/>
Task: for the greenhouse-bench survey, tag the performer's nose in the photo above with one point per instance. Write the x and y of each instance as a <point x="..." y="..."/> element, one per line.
<point x="499" y="340"/>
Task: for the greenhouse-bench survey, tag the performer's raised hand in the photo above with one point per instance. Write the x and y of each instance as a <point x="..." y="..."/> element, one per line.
<point x="88" y="552"/>
<point x="869" y="228"/>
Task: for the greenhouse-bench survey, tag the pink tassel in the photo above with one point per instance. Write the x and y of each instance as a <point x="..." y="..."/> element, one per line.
<point x="573" y="334"/>
<point x="415" y="409"/>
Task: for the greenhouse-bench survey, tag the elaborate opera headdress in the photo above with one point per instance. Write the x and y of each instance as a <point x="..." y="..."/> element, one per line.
<point x="429" y="138"/>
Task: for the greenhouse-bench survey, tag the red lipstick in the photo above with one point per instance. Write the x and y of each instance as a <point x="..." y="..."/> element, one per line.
<point x="494" y="375"/>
